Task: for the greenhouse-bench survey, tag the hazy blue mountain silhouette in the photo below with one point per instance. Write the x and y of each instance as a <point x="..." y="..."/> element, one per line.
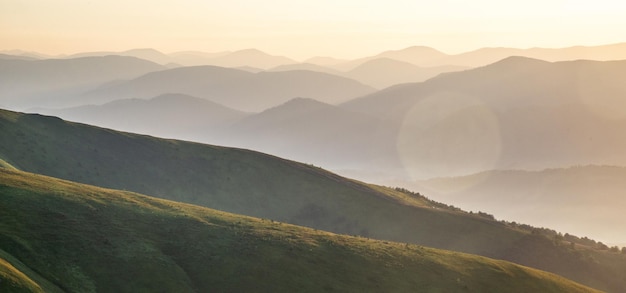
<point x="169" y="115"/>
<point x="233" y="88"/>
<point x="42" y="83"/>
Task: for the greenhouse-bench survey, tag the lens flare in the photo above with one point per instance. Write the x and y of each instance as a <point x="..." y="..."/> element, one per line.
<point x="449" y="134"/>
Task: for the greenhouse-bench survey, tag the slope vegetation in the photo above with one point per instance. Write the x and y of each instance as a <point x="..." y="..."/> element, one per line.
<point x="86" y="239"/>
<point x="255" y="184"/>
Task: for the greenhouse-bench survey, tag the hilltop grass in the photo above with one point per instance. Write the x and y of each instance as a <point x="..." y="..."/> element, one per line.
<point x="21" y="277"/>
<point x="86" y="239"/>
<point x="13" y="280"/>
<point x="5" y="165"/>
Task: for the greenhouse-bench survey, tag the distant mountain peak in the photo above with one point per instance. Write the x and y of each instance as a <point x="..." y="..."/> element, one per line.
<point x="302" y="101"/>
<point x="413" y="50"/>
<point x="417" y="55"/>
<point x="144" y="50"/>
<point x="299" y="104"/>
<point x="251" y="51"/>
<point x="174" y="96"/>
<point x="420" y="48"/>
<point x="385" y="61"/>
<point x="517" y="61"/>
<point x="251" y="57"/>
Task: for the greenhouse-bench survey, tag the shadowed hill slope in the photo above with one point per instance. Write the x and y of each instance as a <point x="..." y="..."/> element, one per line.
<point x="86" y="239"/>
<point x="260" y="185"/>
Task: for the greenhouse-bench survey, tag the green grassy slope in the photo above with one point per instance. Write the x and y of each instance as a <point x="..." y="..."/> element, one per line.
<point x="13" y="280"/>
<point x="233" y="180"/>
<point x="5" y="165"/>
<point x="259" y="185"/>
<point x="15" y="276"/>
<point x="86" y="239"/>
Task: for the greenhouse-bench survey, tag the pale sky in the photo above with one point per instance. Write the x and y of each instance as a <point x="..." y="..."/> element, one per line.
<point x="301" y="29"/>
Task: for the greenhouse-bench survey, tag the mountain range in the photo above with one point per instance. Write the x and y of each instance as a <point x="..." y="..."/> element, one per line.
<point x="429" y="61"/>
<point x="28" y="83"/>
<point x="168" y="115"/>
<point x="518" y="113"/>
<point x="230" y="87"/>
<point x="429" y="57"/>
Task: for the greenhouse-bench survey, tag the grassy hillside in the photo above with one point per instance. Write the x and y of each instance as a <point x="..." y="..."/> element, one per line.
<point x="13" y="280"/>
<point x="255" y="184"/>
<point x="86" y="239"/>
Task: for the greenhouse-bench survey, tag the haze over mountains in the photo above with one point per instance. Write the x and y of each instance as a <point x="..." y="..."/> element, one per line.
<point x="230" y="87"/>
<point x="161" y="116"/>
<point x="518" y="113"/>
<point x="25" y="83"/>
<point x="591" y="198"/>
<point x="482" y="130"/>
<point x="430" y="61"/>
<point x="384" y="72"/>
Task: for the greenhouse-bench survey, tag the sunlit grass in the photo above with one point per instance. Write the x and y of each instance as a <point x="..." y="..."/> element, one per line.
<point x="85" y="239"/>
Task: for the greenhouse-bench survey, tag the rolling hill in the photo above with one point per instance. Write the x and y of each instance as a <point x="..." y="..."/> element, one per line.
<point x="307" y="130"/>
<point x="249" y="57"/>
<point x="145" y="54"/>
<point x="60" y="236"/>
<point x="15" y="57"/>
<point x="42" y="83"/>
<point x="255" y="184"/>
<point x="237" y="89"/>
<point x="301" y="129"/>
<point x="379" y="72"/>
<point x="305" y="66"/>
<point x="169" y="115"/>
<point x="385" y="72"/>
<point x="483" y="56"/>
<point x="416" y="55"/>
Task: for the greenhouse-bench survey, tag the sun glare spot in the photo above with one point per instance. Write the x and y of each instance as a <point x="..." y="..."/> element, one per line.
<point x="449" y="134"/>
